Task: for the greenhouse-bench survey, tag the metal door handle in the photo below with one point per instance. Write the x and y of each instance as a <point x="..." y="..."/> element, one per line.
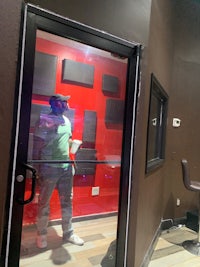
<point x="22" y="201"/>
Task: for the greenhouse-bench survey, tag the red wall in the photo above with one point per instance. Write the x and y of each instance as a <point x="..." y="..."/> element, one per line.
<point x="108" y="140"/>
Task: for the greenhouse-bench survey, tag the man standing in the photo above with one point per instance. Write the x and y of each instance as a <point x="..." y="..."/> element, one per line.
<point x="52" y="140"/>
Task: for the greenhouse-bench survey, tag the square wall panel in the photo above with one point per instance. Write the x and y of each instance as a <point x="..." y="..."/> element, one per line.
<point x="85" y="168"/>
<point x="78" y="73"/>
<point x="89" y="130"/>
<point x="44" y="78"/>
<point x="114" y="111"/>
<point x="110" y="85"/>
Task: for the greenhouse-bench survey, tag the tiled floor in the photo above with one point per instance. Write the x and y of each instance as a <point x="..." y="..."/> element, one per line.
<point x="169" y="251"/>
<point x="97" y="234"/>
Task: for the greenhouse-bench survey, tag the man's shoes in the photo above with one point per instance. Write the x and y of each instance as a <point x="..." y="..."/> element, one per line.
<point x="74" y="239"/>
<point x="41" y="241"/>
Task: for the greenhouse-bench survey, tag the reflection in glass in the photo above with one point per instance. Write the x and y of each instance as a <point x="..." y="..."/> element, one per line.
<point x="95" y="80"/>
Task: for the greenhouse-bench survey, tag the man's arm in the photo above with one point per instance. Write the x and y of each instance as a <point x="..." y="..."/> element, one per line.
<point x="38" y="143"/>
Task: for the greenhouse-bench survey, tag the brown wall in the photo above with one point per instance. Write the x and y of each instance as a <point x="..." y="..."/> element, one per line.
<point x="183" y="142"/>
<point x="129" y="20"/>
<point x="148" y="206"/>
<point x="164" y="54"/>
<point x="10" y="12"/>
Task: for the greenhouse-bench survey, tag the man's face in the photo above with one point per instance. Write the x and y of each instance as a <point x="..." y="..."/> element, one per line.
<point x="59" y="107"/>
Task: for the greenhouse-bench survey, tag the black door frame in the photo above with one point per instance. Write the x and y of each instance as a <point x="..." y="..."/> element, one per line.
<point x="36" y="18"/>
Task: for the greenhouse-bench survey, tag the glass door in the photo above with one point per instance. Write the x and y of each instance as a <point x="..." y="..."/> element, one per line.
<point x="75" y="132"/>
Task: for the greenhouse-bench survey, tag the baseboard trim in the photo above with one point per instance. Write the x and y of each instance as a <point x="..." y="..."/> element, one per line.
<point x="164" y="224"/>
<point x="181" y="220"/>
<point x="76" y="219"/>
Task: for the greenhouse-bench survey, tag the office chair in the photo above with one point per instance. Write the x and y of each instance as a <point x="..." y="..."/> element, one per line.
<point x="193" y="246"/>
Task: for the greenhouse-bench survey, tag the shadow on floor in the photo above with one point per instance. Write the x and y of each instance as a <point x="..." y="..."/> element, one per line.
<point x="59" y="254"/>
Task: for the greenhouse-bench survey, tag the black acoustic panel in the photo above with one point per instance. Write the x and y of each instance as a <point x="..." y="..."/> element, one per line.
<point x="85" y="168"/>
<point x="38" y="109"/>
<point x="44" y="79"/>
<point x="70" y="113"/>
<point x="89" y="130"/>
<point x="110" y="84"/>
<point x="114" y="111"/>
<point x="78" y="73"/>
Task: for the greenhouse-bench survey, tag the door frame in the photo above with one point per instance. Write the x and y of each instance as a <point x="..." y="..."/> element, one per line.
<point x="34" y="18"/>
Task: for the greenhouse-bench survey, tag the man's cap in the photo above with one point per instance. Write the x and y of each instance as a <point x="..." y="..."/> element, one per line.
<point x="59" y="97"/>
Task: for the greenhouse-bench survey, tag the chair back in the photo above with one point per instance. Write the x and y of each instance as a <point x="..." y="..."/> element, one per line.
<point x="186" y="174"/>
